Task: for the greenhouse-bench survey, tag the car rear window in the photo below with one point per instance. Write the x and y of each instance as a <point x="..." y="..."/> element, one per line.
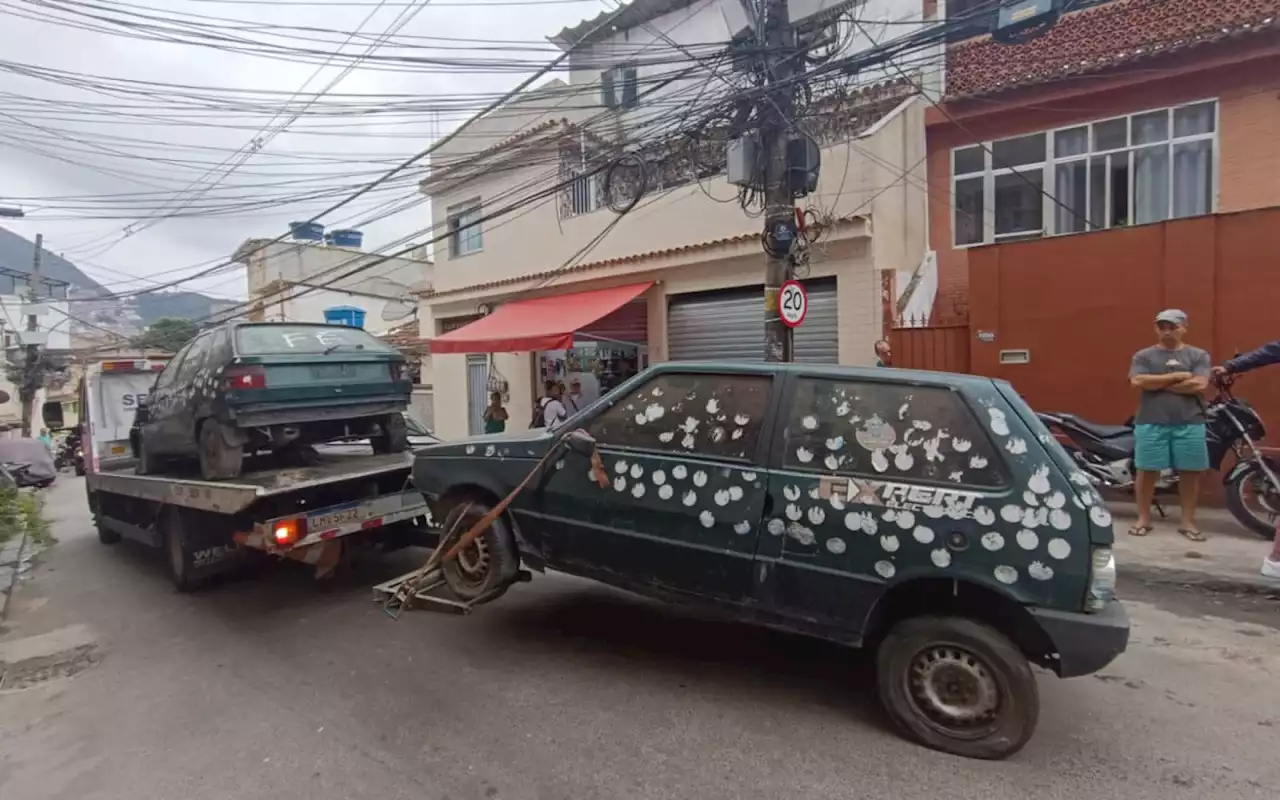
<point x="270" y="340"/>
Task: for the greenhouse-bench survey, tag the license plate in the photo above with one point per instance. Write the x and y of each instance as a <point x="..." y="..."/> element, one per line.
<point x="332" y="371"/>
<point x="117" y="449"/>
<point x="324" y="522"/>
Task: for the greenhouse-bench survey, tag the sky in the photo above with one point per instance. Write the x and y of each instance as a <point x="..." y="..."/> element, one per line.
<point x="112" y="173"/>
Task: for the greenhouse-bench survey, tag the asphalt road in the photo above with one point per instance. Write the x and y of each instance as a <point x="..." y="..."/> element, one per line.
<point x="275" y="687"/>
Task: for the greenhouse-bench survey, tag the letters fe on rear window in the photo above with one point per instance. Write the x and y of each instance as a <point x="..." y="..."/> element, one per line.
<point x="264" y="340"/>
<point x="719" y="416"/>
<point x="897" y="432"/>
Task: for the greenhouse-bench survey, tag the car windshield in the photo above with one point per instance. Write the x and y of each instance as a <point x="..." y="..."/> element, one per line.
<point x="271" y="340"/>
<point x="415" y="428"/>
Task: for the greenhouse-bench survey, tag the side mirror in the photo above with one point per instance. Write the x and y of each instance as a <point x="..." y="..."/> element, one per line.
<point x="580" y="442"/>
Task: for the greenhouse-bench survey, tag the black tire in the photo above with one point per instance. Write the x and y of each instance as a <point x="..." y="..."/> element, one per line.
<point x="395" y="436"/>
<point x="104" y="536"/>
<point x="219" y="460"/>
<point x="977" y="658"/>
<point x="177" y="553"/>
<point x="488" y="566"/>
<point x="1240" y="509"/>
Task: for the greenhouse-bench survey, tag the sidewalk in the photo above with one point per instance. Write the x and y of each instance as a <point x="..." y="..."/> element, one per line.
<point x="1228" y="561"/>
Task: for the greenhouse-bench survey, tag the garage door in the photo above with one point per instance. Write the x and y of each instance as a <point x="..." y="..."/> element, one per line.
<point x="729" y="326"/>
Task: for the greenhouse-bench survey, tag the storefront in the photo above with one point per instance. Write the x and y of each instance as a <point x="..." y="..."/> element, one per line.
<point x="726" y="325"/>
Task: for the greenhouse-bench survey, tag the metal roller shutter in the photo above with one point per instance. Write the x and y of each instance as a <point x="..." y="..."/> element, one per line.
<point x="729" y="326"/>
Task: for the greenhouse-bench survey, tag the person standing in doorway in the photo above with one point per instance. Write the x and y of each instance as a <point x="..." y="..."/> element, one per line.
<point x="553" y="411"/>
<point x="1169" y="427"/>
<point x="884" y="353"/>
<point x="495" y="416"/>
<point x="574" y="402"/>
<point x="1264" y="356"/>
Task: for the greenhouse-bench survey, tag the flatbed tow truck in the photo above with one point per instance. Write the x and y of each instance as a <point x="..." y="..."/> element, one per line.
<point x="314" y="514"/>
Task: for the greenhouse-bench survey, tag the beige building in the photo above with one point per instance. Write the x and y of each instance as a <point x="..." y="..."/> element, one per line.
<point x="517" y="298"/>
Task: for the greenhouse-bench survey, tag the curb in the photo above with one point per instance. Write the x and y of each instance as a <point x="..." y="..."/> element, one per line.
<point x="1207" y="581"/>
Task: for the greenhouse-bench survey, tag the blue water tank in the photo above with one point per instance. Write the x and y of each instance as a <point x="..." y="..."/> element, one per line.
<point x="345" y="237"/>
<point x="350" y="316"/>
<point x="306" y="231"/>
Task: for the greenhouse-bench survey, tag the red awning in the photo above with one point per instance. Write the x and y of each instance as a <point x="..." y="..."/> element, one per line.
<point x="546" y="323"/>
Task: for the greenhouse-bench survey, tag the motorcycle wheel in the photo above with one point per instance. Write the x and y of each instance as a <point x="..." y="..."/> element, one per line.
<point x="1254" y="480"/>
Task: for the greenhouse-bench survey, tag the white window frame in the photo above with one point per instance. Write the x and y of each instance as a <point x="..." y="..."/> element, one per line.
<point x="469" y="235"/>
<point x="1048" y="169"/>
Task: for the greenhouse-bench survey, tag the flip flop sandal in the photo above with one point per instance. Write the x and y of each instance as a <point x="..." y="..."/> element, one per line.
<point x="1140" y="530"/>
<point x="1193" y="535"/>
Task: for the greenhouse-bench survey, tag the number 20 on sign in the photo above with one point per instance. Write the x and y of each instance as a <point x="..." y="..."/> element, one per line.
<point x="793" y="304"/>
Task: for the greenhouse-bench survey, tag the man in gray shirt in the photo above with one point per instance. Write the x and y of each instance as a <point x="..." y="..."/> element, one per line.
<point x="1169" y="428"/>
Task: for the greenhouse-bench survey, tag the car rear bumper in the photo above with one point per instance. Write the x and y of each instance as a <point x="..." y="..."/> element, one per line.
<point x="1085" y="642"/>
<point x="329" y="410"/>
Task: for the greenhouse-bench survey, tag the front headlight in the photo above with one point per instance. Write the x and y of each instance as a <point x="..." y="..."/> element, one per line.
<point x="1102" y="579"/>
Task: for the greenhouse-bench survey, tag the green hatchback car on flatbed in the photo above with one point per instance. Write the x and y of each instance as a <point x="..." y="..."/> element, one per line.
<point x="929" y="516"/>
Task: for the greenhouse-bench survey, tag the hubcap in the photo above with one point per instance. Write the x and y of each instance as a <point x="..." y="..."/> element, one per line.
<point x="473" y="560"/>
<point x="1266" y="505"/>
<point x="953" y="689"/>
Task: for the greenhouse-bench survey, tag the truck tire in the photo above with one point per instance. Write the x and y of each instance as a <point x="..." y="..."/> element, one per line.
<point x="176" y="550"/>
<point x="959" y="686"/>
<point x="394" y="437"/>
<point x="107" y="536"/>
<point x="219" y="460"/>
<point x="487" y="567"/>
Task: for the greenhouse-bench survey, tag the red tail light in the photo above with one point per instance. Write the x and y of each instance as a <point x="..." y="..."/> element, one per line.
<point x="397" y="371"/>
<point x="244" y="378"/>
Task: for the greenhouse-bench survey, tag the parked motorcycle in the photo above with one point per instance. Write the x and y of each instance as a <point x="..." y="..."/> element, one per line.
<point x="1105" y="454"/>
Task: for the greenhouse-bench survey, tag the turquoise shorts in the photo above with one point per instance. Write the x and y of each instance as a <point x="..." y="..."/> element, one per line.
<point x="1176" y="447"/>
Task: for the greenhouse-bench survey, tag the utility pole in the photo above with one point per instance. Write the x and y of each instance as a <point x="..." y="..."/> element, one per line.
<point x="780" y="212"/>
<point x="31" y="367"/>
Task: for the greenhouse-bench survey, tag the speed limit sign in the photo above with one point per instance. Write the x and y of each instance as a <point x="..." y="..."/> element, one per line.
<point x="793" y="304"/>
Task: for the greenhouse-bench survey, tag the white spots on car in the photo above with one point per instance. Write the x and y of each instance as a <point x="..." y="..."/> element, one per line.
<point x="999" y="425"/>
<point x="903" y="460"/>
<point x="842" y="409"/>
<point x="804" y="455"/>
<point x="1076" y="500"/>
<point x="490" y="450"/>
<point x="1079" y="478"/>
<point x="809" y="423"/>
<point x="889" y="515"/>
<point x="1060" y="519"/>
<point x="961" y="445"/>
<point x="559" y="465"/>
<point x="679" y="472"/>
<point x="721" y="497"/>
<point x="637" y="491"/>
<point x="1056" y="500"/>
<point x="699" y="479"/>
<point x="713" y="406"/>
<point x="878" y="461"/>
<point x="1016" y="445"/>
<point x="923" y="535"/>
<point x="993" y="541"/>
<point x="984" y="516"/>
<point x="861" y="521"/>
<point x="835" y="545"/>
<point x="831" y="462"/>
<point x="890" y="543"/>
<point x="689" y="425"/>
<point x="1011" y="513"/>
<point x="934" y="512"/>
<point x="666" y="436"/>
<point x="940" y="557"/>
<point x="837" y="501"/>
<point x="1059" y="548"/>
<point x="657" y="392"/>
<point x="688" y="441"/>
<point x="1031" y="517"/>
<point x="922" y="425"/>
<point x="659" y="477"/>
<point x="956" y="476"/>
<point x="641" y="418"/>
<point x="885" y="569"/>
<point x="814" y="494"/>
<point x="665" y="491"/>
<point x="801" y="534"/>
<point x="793" y="512"/>
<point x="776" y="526"/>
<point x="619" y="484"/>
<point x="902" y="410"/>
<point x="906" y="520"/>
<point x="707" y="519"/>
<point x="654" y="412"/>
<point x="748" y="476"/>
<point x="1039" y="482"/>
<point x="637" y="471"/>
<point x="717" y="435"/>
<point x="790" y="492"/>
<point x="1028" y="540"/>
<point x="471" y="449"/>
<point x="933" y="449"/>
<point x="1029" y="497"/>
<point x="741" y="419"/>
<point x="835" y="443"/>
<point x="621" y="467"/>
<point x="735" y="493"/>
<point x="817" y="516"/>
<point x="737" y="434"/>
<point x="1006" y="574"/>
<point x="977" y="462"/>
<point x="1088" y="498"/>
<point x="742" y="528"/>
<point x="1040" y="571"/>
<point x="1100" y="516"/>
<point x="689" y="498"/>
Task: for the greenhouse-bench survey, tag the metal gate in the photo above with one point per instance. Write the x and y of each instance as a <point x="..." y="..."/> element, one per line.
<point x="477" y="392"/>
<point x="729" y="326"/>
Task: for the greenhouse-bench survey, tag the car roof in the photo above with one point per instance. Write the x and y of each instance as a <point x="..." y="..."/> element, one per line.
<point x="833" y="371"/>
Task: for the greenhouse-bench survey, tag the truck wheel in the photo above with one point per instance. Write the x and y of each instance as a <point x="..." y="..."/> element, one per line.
<point x="218" y="459"/>
<point x="958" y="686"/>
<point x="486" y="567"/>
<point x="395" y="436"/>
<point x="176" y="550"/>
<point x="107" y="536"/>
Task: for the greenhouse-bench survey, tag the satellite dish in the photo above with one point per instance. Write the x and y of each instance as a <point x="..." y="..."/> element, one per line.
<point x="399" y="309"/>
